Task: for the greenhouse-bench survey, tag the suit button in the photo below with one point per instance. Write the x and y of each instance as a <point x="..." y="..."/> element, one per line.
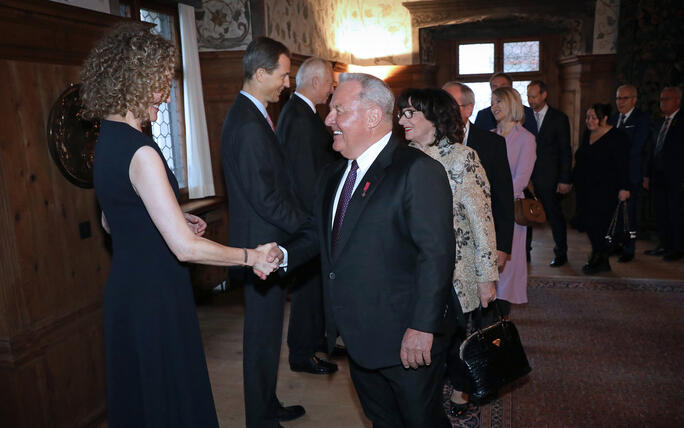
<point x="331" y="275"/>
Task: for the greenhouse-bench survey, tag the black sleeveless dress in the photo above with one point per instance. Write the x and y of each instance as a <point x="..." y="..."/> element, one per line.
<point x="156" y="371"/>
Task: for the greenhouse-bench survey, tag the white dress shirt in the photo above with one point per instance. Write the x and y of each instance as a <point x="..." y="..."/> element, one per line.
<point x="623" y="117"/>
<point x="466" y="132"/>
<point x="539" y="115"/>
<point x="364" y="161"/>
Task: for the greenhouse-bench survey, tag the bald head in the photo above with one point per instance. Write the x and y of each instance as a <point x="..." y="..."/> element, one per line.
<point x="626" y="98"/>
<point x="464" y="96"/>
<point x="315" y="80"/>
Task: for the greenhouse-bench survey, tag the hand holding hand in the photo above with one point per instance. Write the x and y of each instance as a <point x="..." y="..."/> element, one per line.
<point x="563" y="188"/>
<point x="265" y="264"/>
<point x="196" y="224"/>
<point x="501" y="259"/>
<point x="487" y="292"/>
<point x="415" y="349"/>
<point x="623" y="195"/>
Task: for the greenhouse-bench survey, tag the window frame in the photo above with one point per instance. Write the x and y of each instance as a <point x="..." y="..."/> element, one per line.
<point x="498" y="59"/>
<point x="135" y="7"/>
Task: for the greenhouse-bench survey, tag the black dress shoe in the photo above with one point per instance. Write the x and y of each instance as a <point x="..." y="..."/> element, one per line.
<point x="558" y="261"/>
<point x="660" y="251"/>
<point x="289" y="413"/>
<point x="314" y="365"/>
<point x="598" y="264"/>
<point x="673" y="256"/>
<point x="625" y="258"/>
<point x="338" y="350"/>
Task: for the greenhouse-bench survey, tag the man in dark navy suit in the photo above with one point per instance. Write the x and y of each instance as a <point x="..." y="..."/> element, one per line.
<point x="262" y="209"/>
<point x="307" y="146"/>
<point x="665" y="176"/>
<point x="382" y="223"/>
<point x="551" y="175"/>
<point x="637" y="126"/>
<point x="485" y="119"/>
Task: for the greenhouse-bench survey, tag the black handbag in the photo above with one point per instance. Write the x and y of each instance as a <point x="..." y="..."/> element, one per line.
<point x="494" y="357"/>
<point x="629" y="234"/>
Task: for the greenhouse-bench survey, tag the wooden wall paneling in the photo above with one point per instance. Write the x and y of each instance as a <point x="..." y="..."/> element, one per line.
<point x="411" y="76"/>
<point x="51" y="342"/>
<point x="42" y="264"/>
<point x="39" y="30"/>
<point x="17" y="198"/>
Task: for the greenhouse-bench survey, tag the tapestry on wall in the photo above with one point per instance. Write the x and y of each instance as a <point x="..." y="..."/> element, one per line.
<point x="223" y="25"/>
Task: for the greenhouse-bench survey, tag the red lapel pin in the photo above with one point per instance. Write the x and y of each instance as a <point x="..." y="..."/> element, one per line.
<point x="365" y="189"/>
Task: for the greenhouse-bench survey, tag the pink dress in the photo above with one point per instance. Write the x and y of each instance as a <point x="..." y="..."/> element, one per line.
<point x="522" y="153"/>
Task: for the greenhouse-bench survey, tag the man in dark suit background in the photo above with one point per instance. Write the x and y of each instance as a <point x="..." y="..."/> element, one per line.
<point x="637" y="126"/>
<point x="382" y="224"/>
<point x="262" y="209"/>
<point x="485" y="119"/>
<point x="665" y="176"/>
<point x="491" y="149"/>
<point x="307" y="146"/>
<point x="551" y="175"/>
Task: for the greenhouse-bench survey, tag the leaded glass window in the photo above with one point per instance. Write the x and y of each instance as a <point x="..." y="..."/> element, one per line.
<point x="521" y="56"/>
<point x="166" y="129"/>
<point x="521" y="87"/>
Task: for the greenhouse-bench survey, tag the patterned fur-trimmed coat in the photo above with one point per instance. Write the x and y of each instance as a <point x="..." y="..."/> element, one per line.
<point x="473" y="222"/>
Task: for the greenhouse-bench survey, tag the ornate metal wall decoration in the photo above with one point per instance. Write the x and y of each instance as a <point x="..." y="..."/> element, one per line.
<point x="71" y="139"/>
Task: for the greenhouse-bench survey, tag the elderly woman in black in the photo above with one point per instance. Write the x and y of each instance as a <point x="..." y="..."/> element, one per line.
<point x="432" y="123"/>
<point x="601" y="178"/>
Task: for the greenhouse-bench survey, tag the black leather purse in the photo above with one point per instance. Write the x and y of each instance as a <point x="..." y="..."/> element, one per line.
<point x="611" y="233"/>
<point x="494" y="357"/>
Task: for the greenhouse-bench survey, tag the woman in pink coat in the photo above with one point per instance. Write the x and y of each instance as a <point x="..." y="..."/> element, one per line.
<point x="522" y="153"/>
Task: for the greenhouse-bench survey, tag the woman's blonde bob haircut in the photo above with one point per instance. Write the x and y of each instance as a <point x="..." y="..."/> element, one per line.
<point x="124" y="71"/>
<point x="511" y="97"/>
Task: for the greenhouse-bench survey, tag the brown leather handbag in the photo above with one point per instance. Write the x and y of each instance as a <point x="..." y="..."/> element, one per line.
<point x="529" y="211"/>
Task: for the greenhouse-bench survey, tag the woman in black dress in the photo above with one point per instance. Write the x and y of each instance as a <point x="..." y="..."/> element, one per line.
<point x="601" y="178"/>
<point x="156" y="370"/>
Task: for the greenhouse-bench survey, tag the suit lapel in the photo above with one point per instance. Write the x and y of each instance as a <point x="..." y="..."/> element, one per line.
<point x="256" y="112"/>
<point x="547" y="117"/>
<point x="363" y="193"/>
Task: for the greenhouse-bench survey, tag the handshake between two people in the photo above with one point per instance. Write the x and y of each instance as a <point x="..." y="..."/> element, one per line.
<point x="269" y="258"/>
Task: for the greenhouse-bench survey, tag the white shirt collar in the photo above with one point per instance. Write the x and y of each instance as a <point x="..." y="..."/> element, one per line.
<point x="543" y="110"/>
<point x="626" y="115"/>
<point x="672" y="115"/>
<point x="366" y="159"/>
<point x="257" y="103"/>
<point x="306" y="100"/>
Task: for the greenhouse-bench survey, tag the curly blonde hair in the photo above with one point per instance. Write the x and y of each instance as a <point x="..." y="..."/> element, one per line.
<point x="124" y="71"/>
